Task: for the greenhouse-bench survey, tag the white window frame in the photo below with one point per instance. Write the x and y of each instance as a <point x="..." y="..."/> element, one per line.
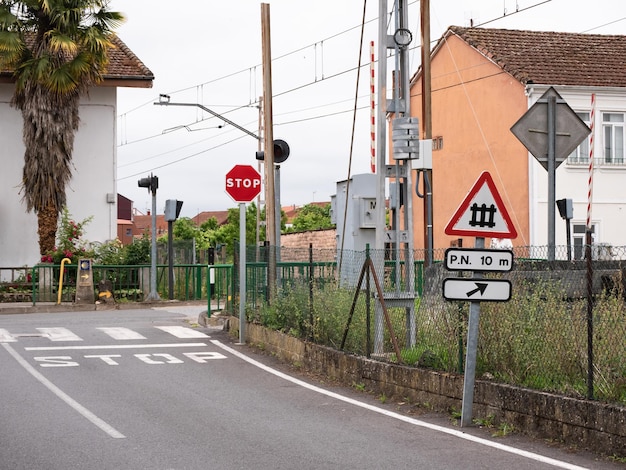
<point x="612" y="133"/>
<point x="580" y="155"/>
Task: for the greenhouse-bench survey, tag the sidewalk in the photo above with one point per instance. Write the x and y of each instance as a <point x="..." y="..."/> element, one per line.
<point x="175" y="306"/>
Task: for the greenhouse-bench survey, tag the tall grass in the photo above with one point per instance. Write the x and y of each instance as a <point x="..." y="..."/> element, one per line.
<point x="538" y="339"/>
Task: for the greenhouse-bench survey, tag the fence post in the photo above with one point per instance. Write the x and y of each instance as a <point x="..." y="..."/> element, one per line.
<point x="311" y="291"/>
<point x="368" y="333"/>
<point x="589" y="315"/>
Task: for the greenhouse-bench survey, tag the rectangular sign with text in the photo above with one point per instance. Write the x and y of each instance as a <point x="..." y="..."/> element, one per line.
<point x="469" y="259"/>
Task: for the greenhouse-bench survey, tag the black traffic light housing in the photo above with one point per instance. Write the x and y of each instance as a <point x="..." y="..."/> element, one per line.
<point x="151" y="182"/>
<point x="281" y="151"/>
<point x="566" y="208"/>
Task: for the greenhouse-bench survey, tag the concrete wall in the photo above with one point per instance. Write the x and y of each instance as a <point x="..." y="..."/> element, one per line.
<point x="93" y="178"/>
<point x="586" y="424"/>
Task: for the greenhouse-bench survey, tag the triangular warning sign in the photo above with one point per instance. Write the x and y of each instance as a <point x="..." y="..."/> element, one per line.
<point x="482" y="213"/>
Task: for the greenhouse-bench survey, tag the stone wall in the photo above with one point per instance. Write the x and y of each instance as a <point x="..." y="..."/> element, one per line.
<point x="586" y="424"/>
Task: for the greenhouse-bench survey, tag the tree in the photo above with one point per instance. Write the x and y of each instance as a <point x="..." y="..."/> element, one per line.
<point x="57" y="50"/>
<point x="312" y="217"/>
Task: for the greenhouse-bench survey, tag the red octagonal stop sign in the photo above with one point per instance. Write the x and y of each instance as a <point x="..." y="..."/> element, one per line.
<point x="243" y="183"/>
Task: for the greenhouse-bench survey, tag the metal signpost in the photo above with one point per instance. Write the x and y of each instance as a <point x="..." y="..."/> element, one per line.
<point x="550" y="130"/>
<point x="481" y="214"/>
<point x="243" y="184"/>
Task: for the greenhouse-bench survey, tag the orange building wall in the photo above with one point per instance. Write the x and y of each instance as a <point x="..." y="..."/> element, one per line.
<point x="474" y="105"/>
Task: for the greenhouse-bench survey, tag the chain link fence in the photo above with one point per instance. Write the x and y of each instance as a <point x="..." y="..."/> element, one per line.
<point x="551" y="335"/>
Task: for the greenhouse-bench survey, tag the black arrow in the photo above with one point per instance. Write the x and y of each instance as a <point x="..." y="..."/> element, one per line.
<point x="480" y="287"/>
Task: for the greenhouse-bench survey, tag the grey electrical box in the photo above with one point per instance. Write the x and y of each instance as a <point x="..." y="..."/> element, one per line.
<point x="354" y="210"/>
<point x="367" y="212"/>
<point x="424" y="160"/>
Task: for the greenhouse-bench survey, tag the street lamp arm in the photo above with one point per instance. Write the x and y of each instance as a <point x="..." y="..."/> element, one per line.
<point x="217" y="115"/>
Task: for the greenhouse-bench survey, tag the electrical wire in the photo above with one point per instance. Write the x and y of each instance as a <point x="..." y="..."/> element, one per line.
<point x="329" y="77"/>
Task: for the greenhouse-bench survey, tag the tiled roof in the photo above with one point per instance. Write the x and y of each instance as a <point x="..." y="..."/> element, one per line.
<point x="551" y="58"/>
<point x="124" y="69"/>
<point x="202" y="217"/>
<point x="125" y="65"/>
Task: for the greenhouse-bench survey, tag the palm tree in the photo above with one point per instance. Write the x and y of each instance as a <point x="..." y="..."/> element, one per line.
<point x="56" y="49"/>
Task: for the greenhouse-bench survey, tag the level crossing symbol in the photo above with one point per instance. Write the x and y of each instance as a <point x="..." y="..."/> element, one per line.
<point x="482" y="213"/>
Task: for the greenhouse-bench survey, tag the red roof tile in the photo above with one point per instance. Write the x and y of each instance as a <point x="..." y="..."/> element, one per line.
<point x="124" y="68"/>
<point x="551" y="58"/>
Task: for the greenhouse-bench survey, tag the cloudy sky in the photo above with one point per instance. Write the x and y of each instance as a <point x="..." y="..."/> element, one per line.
<point x="208" y="52"/>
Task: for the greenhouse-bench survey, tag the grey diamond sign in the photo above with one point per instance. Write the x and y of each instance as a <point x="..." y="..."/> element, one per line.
<point x="532" y="129"/>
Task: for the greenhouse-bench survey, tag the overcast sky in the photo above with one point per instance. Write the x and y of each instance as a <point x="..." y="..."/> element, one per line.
<point x="209" y="52"/>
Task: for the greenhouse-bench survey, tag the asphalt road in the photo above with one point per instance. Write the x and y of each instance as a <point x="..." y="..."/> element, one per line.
<point x="143" y="389"/>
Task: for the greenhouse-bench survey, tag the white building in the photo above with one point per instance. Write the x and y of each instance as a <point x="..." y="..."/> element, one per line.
<point x="92" y="191"/>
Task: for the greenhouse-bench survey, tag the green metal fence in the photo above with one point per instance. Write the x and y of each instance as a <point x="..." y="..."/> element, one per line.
<point x="552" y="335"/>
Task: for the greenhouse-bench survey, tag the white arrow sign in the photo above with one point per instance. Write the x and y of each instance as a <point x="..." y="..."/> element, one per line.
<point x="477" y="290"/>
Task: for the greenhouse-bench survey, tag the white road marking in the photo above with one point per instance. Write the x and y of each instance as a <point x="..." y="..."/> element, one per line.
<point x="56" y="361"/>
<point x="121" y="333"/>
<point x="115" y="346"/>
<point x="406" y="419"/>
<point x="182" y="332"/>
<point x="6" y="337"/>
<point x="59" y="334"/>
<point x="107" y="358"/>
<point x="169" y="359"/>
<point x="107" y="428"/>
<point x="203" y="357"/>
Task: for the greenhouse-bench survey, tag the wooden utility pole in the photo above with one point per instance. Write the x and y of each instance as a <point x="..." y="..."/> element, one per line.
<point x="270" y="210"/>
<point x="427" y="129"/>
<point x="258" y="199"/>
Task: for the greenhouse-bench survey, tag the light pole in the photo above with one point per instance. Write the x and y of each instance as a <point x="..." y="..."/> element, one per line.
<point x="152" y="183"/>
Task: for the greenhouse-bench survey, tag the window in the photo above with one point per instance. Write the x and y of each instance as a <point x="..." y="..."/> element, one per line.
<point x="578" y="239"/>
<point x="581" y="153"/>
<point x="613" y="134"/>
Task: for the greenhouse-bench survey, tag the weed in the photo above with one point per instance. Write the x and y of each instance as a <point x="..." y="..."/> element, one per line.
<point x="485" y="422"/>
<point x="358" y="386"/>
<point x="504" y="429"/>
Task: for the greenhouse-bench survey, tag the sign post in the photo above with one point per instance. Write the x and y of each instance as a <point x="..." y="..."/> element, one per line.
<point x="550" y="130"/>
<point x="481" y="214"/>
<point x="243" y="184"/>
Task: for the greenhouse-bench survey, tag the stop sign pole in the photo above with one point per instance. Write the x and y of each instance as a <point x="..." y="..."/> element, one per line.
<point x="243" y="184"/>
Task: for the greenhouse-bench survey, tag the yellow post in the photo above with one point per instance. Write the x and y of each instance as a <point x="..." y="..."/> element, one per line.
<point x="63" y="261"/>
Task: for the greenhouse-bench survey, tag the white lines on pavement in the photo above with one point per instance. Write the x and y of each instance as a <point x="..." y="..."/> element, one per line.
<point x="6" y="337"/>
<point x="115" y="346"/>
<point x="116" y="333"/>
<point x="121" y="333"/>
<point x="84" y="412"/>
<point x="182" y="332"/>
<point x="406" y="419"/>
<point x="59" y="334"/>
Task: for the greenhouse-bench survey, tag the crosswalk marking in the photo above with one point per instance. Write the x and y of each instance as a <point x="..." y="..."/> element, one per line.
<point x="182" y="332"/>
<point x="117" y="333"/>
<point x="5" y="337"/>
<point x="59" y="334"/>
<point x="121" y="333"/>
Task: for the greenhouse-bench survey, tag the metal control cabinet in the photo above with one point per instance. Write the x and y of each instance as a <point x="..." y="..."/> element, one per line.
<point x="353" y="210"/>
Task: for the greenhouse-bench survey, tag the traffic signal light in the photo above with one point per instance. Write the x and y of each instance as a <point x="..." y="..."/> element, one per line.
<point x="281" y="151"/>
<point x="151" y="182"/>
<point x="172" y="209"/>
<point x="566" y="208"/>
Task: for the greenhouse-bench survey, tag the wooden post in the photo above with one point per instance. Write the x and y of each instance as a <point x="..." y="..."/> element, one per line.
<point x="270" y="210"/>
